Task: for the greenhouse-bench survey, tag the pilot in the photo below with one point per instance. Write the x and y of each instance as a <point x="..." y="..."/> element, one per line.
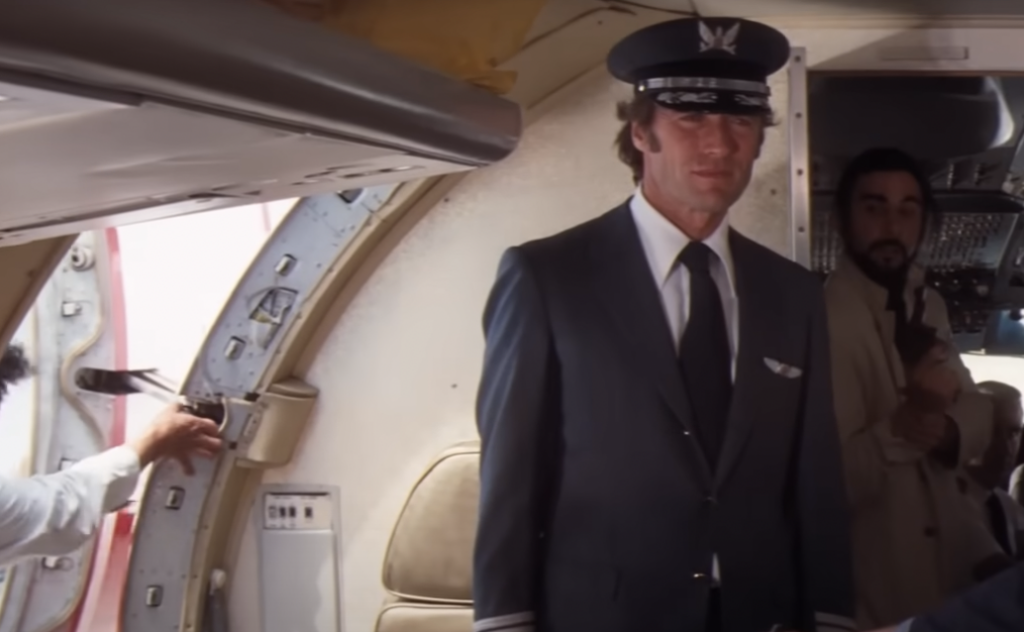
<point x="659" y="449"/>
<point x="906" y="429"/>
<point x="54" y="514"/>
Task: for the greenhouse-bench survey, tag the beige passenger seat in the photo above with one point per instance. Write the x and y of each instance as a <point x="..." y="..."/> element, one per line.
<point x="428" y="564"/>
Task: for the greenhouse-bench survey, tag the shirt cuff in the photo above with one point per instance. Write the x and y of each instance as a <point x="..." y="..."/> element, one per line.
<point x="518" y="622"/>
<point x="826" y="622"/>
<point x="120" y="467"/>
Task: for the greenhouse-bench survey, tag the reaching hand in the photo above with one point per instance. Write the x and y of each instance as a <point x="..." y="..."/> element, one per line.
<point x="924" y="430"/>
<point x="178" y="435"/>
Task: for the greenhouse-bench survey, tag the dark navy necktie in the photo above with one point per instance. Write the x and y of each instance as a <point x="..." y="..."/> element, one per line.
<point x="704" y="355"/>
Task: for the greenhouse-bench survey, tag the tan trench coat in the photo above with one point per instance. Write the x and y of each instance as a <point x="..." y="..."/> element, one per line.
<point x="916" y="536"/>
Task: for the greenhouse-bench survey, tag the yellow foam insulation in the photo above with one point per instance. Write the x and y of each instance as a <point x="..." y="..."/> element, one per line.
<point x="26" y="268"/>
<point x="465" y="39"/>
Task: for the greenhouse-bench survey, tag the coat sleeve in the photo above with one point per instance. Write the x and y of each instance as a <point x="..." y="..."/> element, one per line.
<point x="824" y="519"/>
<point x="514" y="413"/>
<point x="994" y="606"/>
<point x="973" y="412"/>
<point x="869" y="447"/>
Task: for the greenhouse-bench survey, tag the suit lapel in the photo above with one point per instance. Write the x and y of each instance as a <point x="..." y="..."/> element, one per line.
<point x="628" y="292"/>
<point x="757" y="318"/>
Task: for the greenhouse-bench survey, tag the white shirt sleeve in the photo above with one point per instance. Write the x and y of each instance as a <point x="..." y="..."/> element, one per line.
<point x="54" y="514"/>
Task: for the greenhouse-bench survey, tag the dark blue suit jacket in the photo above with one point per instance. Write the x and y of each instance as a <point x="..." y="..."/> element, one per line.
<point x="995" y="606"/>
<point x="598" y="510"/>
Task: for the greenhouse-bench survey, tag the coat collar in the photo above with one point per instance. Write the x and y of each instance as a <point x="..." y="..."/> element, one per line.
<point x="848" y="278"/>
<point x="849" y="274"/>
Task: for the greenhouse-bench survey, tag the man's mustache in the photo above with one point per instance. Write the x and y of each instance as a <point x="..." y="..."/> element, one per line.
<point x="886" y="244"/>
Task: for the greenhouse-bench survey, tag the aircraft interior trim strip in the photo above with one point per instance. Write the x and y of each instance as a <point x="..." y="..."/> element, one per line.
<point x="800" y="162"/>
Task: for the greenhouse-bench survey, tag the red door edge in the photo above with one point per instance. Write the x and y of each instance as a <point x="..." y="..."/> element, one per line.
<point x="100" y="609"/>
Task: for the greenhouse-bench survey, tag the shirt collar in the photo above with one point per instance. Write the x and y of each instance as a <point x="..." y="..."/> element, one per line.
<point x="663" y="241"/>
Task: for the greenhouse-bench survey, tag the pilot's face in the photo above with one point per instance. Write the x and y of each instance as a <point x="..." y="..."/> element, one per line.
<point x="886" y="217"/>
<point x="697" y="161"/>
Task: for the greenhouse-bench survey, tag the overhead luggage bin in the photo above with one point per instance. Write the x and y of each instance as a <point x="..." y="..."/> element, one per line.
<point x="118" y="111"/>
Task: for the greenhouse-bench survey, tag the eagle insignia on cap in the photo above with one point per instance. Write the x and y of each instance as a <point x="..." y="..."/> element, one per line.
<point x="718" y="39"/>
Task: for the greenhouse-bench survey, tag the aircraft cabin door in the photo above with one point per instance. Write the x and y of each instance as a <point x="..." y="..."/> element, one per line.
<point x="187" y="527"/>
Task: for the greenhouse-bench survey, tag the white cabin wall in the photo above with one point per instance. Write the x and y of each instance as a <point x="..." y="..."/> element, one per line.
<point x="398" y="373"/>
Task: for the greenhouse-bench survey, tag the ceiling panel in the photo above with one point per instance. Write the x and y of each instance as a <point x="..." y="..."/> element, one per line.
<point x="101" y="122"/>
<point x="763" y="8"/>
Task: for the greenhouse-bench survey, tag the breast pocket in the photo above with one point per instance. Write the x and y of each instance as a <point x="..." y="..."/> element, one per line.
<point x="778" y="388"/>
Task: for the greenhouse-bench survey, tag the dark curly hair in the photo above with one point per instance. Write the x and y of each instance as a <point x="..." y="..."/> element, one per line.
<point x="14" y="367"/>
<point x="884" y="159"/>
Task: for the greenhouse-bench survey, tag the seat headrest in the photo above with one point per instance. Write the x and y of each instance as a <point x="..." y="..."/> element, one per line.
<point x="406" y="617"/>
<point x="430" y="555"/>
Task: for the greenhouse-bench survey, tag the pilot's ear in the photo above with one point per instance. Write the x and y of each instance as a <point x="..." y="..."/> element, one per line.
<point x="644" y="139"/>
<point x="760" y="141"/>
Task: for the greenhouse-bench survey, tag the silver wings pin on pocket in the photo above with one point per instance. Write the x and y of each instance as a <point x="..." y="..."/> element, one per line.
<point x="784" y="370"/>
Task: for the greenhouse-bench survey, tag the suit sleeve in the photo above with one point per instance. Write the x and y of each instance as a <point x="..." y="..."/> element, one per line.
<point x="994" y="606"/>
<point x="823" y="508"/>
<point x="513" y="416"/>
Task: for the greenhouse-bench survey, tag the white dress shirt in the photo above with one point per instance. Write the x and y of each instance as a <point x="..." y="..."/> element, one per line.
<point x="662" y="242"/>
<point x="54" y="514"/>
